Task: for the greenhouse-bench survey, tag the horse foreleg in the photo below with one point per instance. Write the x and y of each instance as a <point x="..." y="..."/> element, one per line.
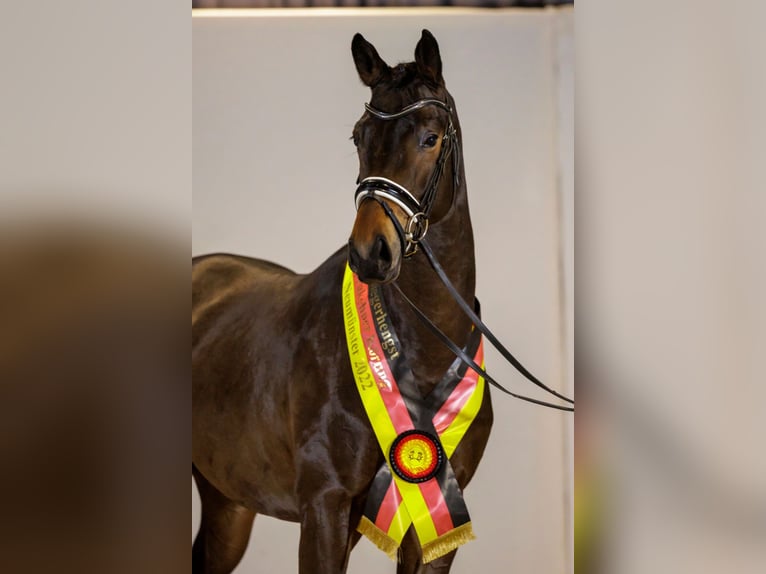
<point x="223" y="533"/>
<point x="411" y="561"/>
<point x="326" y="539"/>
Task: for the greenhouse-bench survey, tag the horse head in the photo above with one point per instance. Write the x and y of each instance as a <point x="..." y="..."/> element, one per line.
<point x="400" y="149"/>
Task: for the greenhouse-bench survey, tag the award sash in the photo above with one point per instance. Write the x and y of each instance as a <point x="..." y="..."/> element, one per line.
<point x="416" y="484"/>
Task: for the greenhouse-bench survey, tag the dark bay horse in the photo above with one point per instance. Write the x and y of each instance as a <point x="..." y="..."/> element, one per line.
<point x="278" y="425"/>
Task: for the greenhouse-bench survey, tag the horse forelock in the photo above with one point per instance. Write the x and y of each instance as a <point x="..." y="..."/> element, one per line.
<point x="404" y="86"/>
<point x="403" y="74"/>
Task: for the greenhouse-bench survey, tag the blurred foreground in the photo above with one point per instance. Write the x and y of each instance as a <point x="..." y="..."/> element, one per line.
<point x="670" y="285"/>
<point x="95" y="185"/>
<point x="94" y="414"/>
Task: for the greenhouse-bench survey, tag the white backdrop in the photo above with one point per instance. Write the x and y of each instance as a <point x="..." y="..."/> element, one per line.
<point x="275" y="96"/>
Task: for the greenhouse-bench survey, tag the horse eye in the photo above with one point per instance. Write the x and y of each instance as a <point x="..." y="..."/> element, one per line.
<point x="355" y="139"/>
<point x="431" y="140"/>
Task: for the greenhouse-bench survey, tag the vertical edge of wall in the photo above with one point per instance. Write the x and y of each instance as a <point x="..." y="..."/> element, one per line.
<point x="563" y="36"/>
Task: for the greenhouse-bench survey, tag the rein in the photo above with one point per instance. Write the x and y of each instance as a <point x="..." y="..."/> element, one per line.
<point x="413" y="235"/>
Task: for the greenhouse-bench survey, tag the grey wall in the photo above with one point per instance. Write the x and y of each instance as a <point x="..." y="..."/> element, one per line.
<point x="275" y="96"/>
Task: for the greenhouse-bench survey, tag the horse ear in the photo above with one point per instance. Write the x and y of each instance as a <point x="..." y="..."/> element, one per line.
<point x="427" y="58"/>
<point x="371" y="67"/>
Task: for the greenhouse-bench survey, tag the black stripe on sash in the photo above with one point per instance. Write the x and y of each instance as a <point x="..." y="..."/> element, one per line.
<point x="377" y="492"/>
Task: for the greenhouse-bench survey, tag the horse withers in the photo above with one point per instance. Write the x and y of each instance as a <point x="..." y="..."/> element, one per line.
<point x="278" y="424"/>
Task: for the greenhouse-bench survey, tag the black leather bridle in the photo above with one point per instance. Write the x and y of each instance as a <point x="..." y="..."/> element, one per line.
<point x="418" y="211"/>
<point x="413" y="234"/>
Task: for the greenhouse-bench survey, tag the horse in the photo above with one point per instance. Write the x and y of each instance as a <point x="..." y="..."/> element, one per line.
<point x="278" y="425"/>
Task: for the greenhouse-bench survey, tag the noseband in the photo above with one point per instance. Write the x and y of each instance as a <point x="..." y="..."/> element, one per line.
<point x="418" y="211"/>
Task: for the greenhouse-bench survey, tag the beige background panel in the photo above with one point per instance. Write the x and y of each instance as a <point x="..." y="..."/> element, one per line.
<point x="274" y="102"/>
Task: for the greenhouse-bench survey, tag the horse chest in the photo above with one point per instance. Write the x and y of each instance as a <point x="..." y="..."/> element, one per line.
<point x="335" y="444"/>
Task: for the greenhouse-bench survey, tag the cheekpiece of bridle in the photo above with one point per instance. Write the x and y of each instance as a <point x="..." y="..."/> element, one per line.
<point x="418" y="211"/>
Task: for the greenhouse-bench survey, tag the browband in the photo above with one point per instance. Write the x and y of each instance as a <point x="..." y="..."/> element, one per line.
<point x="409" y="109"/>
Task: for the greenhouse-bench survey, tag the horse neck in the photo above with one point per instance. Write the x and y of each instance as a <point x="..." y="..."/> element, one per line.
<point x="451" y="240"/>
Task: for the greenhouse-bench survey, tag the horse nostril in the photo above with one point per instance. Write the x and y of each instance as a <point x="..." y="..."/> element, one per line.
<point x="354" y="259"/>
<point x="383" y="251"/>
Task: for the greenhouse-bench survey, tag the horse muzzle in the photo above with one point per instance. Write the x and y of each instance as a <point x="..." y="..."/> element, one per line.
<point x="375" y="261"/>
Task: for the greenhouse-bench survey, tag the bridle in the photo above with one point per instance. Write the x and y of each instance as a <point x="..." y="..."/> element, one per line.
<point x="413" y="234"/>
<point x="418" y="211"/>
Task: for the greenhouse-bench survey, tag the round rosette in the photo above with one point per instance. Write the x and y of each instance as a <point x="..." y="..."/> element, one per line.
<point x="416" y="456"/>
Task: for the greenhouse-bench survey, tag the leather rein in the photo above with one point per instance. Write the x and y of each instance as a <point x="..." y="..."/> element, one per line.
<point x="413" y="234"/>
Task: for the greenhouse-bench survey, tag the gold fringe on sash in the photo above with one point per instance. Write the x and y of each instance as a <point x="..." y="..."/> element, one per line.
<point x="378" y="537"/>
<point x="447" y="542"/>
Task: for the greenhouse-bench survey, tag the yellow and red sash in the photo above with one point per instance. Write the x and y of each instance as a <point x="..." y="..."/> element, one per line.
<point x="416" y="485"/>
